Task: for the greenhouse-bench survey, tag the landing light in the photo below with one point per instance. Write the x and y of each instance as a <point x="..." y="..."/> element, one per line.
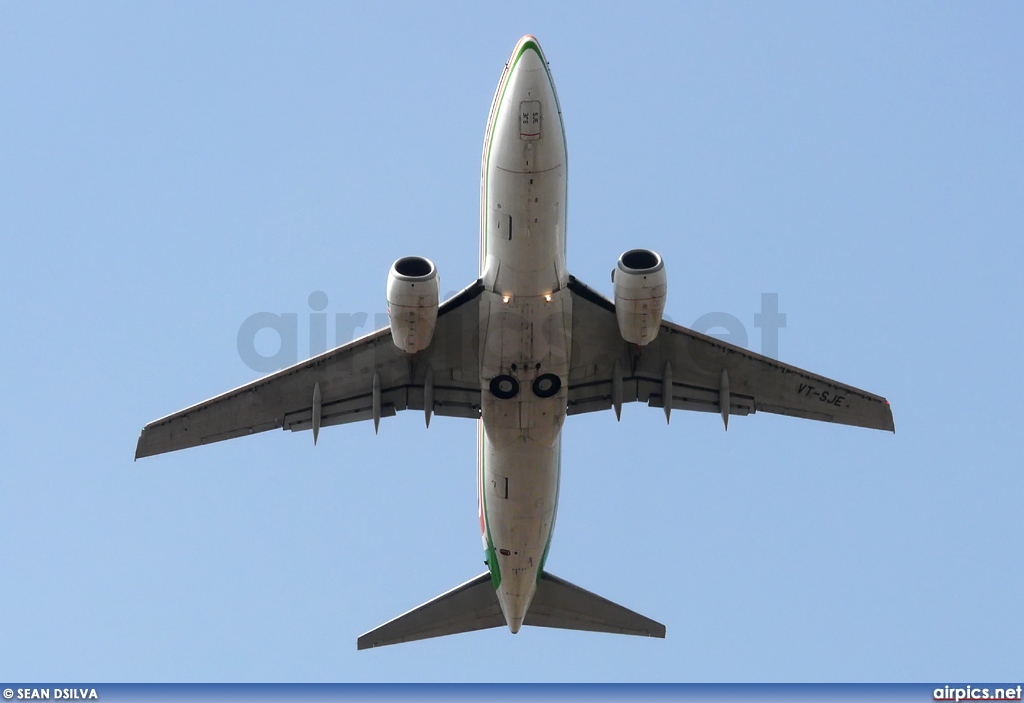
<point x="547" y="297"/>
<point x="506" y="298"/>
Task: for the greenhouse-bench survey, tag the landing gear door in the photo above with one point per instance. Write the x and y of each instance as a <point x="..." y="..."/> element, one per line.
<point x="529" y="120"/>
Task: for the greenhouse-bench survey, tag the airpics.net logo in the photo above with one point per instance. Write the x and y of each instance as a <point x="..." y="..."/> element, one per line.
<point x="976" y="693"/>
<point x="269" y="341"/>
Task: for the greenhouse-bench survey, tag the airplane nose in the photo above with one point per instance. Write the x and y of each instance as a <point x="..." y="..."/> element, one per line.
<point x="531" y="56"/>
<point x="530" y="61"/>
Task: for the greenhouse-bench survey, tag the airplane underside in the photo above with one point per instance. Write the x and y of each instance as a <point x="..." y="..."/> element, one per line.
<point x="518" y="350"/>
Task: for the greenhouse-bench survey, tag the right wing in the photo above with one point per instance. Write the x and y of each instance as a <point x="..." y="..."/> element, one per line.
<point x="702" y="371"/>
<point x="449" y="370"/>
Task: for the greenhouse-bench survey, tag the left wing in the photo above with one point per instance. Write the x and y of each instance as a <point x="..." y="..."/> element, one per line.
<point x="698" y="372"/>
<point x="445" y="376"/>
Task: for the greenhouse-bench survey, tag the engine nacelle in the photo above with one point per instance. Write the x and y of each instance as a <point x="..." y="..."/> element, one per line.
<point x="640" y="290"/>
<point x="414" y="292"/>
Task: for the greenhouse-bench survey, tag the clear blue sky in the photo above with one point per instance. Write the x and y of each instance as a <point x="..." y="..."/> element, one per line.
<point x="168" y="169"/>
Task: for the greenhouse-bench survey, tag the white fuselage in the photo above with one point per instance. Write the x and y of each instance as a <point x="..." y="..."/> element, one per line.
<point x="526" y="319"/>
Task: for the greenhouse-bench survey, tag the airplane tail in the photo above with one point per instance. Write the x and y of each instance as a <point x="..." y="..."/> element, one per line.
<point x="473" y="605"/>
<point x="561" y="604"/>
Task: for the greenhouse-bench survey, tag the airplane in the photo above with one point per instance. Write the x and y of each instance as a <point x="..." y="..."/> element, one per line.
<point x="518" y="350"/>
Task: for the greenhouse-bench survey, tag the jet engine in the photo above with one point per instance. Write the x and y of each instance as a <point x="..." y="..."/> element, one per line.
<point x="640" y="289"/>
<point x="413" y="297"/>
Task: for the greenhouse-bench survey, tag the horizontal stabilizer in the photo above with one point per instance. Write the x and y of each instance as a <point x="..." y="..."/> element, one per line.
<point x="474" y="606"/>
<point x="471" y="606"/>
<point x="561" y="604"/>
